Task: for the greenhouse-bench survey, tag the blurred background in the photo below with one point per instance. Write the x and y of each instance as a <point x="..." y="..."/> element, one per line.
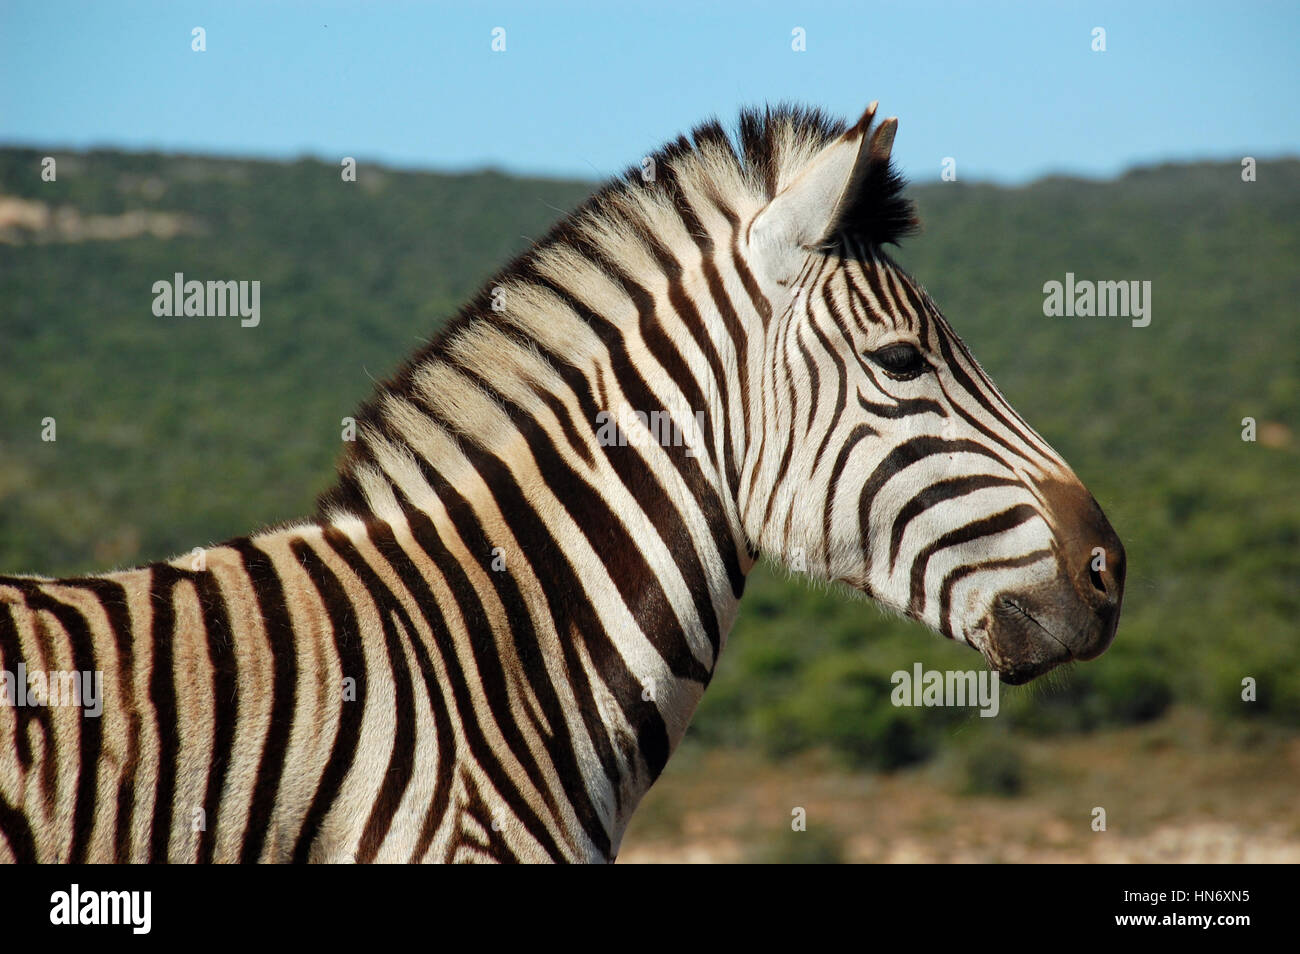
<point x="1166" y="155"/>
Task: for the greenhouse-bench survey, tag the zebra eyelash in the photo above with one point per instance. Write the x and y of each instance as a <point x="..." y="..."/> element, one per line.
<point x="901" y="360"/>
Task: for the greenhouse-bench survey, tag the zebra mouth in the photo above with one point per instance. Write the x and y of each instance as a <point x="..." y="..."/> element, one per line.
<point x="1018" y="645"/>
<point x="1017" y="608"/>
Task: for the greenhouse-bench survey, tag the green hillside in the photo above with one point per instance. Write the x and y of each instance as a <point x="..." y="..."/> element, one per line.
<point x="173" y="434"/>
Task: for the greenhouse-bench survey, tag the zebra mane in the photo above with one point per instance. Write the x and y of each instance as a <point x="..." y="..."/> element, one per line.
<point x="744" y="171"/>
<point x="772" y="145"/>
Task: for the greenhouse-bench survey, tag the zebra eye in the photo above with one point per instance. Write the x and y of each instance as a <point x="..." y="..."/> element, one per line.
<point x="902" y="360"/>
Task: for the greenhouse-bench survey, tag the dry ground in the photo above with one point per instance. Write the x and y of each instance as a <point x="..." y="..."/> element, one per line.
<point x="1180" y="790"/>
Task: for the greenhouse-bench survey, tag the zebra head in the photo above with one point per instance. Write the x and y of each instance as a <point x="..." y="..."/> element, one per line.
<point x="888" y="460"/>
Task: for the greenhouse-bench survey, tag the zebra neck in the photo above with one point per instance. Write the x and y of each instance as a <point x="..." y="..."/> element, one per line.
<point x="604" y="578"/>
<point x="605" y="562"/>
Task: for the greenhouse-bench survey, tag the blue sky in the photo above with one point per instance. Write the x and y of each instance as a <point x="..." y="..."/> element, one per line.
<point x="1012" y="91"/>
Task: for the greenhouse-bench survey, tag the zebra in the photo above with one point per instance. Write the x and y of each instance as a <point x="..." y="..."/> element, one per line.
<point x="491" y="636"/>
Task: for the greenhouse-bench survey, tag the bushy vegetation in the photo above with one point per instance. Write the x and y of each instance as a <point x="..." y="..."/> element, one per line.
<point x="173" y="433"/>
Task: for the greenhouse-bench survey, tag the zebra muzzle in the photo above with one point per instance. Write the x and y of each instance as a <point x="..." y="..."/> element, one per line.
<point x="1075" y="615"/>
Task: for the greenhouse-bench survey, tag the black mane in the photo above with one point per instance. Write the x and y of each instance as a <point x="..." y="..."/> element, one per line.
<point x="875" y="210"/>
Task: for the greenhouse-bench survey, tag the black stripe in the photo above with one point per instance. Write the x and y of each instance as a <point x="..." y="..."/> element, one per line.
<point x="90" y="732"/>
<point x="787" y="433"/>
<point x="225" y="713"/>
<point x="936" y="494"/>
<point x="561" y="412"/>
<point x="902" y="407"/>
<point x="870" y="272"/>
<point x="762" y="306"/>
<point x="989" y="526"/>
<point x="112" y="597"/>
<point x="401" y="762"/>
<point x="814" y="380"/>
<point x="346" y="634"/>
<point x="269" y="592"/>
<point x="857" y="302"/>
<point x="17" y="833"/>
<point x="13" y="823"/>
<point x="841" y="378"/>
<point x="859" y="433"/>
<point x="896" y="284"/>
<point x="636" y="582"/>
<point x="162" y="696"/>
<point x="11" y="653"/>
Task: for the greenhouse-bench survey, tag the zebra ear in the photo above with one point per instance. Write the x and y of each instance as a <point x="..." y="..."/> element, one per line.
<point x="825" y="198"/>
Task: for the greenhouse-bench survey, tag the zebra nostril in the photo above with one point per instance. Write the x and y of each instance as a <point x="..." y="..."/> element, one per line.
<point x="1105" y="574"/>
<point x="1098" y="583"/>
